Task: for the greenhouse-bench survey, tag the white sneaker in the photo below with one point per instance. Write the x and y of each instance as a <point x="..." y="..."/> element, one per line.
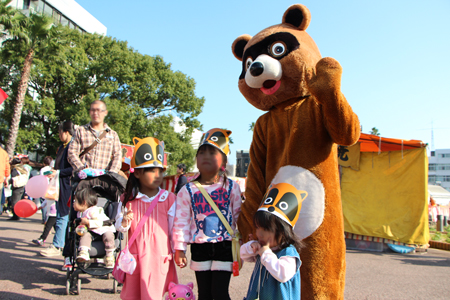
<point x="51" y="251"/>
<point x="83" y="256"/>
<point x="67" y="264"/>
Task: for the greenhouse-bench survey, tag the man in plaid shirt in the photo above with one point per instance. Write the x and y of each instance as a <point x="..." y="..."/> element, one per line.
<point x="107" y="154"/>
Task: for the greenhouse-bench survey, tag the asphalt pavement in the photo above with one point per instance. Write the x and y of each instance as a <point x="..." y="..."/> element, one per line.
<point x="24" y="274"/>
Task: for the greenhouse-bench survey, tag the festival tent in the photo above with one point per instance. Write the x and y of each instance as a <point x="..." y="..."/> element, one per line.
<point x="384" y="190"/>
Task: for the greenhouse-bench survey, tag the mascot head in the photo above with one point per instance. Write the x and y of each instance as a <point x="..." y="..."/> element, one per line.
<point x="276" y="61"/>
<point x="148" y="152"/>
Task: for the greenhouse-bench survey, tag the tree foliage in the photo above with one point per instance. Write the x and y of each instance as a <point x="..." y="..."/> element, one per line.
<point x="374" y="131"/>
<point x="141" y="92"/>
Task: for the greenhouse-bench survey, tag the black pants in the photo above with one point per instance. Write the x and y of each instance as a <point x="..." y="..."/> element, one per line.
<point x="17" y="195"/>
<point x="212" y="284"/>
<point x="51" y="222"/>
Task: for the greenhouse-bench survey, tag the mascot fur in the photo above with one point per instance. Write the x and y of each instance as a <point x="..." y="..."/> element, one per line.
<point x="296" y="141"/>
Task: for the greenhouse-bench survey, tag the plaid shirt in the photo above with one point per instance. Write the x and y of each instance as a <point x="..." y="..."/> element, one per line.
<point x="106" y="155"/>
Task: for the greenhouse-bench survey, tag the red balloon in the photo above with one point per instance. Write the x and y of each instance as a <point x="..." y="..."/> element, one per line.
<point x="25" y="208"/>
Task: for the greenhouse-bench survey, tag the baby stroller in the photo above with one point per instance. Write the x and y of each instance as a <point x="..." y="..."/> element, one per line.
<point x="108" y="190"/>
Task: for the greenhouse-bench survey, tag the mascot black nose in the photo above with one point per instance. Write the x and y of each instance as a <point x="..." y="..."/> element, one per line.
<point x="256" y="68"/>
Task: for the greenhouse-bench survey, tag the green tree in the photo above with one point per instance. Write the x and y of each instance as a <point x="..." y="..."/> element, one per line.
<point x="252" y="126"/>
<point x="141" y="92"/>
<point x="374" y="131"/>
<point x="29" y="33"/>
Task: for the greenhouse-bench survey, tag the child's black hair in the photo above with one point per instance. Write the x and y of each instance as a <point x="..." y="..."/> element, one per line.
<point x="88" y="196"/>
<point x="224" y="162"/>
<point x="284" y="233"/>
<point x="133" y="185"/>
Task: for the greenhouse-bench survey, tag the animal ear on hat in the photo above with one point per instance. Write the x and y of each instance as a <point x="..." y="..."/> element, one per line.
<point x="136" y="140"/>
<point x="228" y="132"/>
<point x="298" y="16"/>
<point x="239" y="45"/>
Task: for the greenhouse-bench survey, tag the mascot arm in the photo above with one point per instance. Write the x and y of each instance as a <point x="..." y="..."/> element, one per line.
<point x="256" y="183"/>
<point x="325" y="85"/>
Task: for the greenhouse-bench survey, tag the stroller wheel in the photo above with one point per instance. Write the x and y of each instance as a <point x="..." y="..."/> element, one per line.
<point x="115" y="286"/>
<point x="78" y="285"/>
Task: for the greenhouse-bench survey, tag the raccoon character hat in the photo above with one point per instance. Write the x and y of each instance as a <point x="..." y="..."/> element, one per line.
<point x="218" y="138"/>
<point x="148" y="152"/>
<point x="284" y="201"/>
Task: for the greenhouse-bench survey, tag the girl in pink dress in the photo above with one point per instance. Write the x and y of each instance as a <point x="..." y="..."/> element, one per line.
<point x="197" y="224"/>
<point x="153" y="245"/>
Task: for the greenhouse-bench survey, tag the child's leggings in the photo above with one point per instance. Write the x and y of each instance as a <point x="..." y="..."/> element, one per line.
<point x="48" y="226"/>
<point x="213" y="284"/>
<point x="108" y="240"/>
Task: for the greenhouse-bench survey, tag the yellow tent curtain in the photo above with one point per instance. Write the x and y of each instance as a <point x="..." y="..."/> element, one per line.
<point x="387" y="197"/>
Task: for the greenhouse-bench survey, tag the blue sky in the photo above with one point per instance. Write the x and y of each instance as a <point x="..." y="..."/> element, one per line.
<point x="394" y="54"/>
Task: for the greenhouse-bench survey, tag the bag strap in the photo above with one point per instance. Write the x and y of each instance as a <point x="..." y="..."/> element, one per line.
<point x="214" y="207"/>
<point x="144" y="219"/>
<point x="97" y="141"/>
<point x="237" y="264"/>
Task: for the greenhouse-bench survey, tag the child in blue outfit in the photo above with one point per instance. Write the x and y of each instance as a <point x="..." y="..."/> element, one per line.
<point x="276" y="251"/>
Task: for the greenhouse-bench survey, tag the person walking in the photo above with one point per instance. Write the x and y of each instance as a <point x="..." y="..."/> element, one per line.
<point x="63" y="167"/>
<point x="19" y="178"/>
<point x="106" y="154"/>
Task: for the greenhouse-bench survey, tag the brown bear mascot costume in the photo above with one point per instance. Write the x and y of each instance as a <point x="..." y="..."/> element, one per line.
<point x="296" y="141"/>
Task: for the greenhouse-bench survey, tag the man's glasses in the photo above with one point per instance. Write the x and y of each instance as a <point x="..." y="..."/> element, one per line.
<point x="97" y="110"/>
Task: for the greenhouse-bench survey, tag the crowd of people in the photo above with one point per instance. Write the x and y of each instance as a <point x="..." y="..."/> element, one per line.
<point x="201" y="213"/>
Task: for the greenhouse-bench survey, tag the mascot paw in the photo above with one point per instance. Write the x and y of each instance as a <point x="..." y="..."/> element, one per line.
<point x="325" y="79"/>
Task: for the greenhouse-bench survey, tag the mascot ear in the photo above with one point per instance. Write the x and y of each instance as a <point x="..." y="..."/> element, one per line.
<point x="136" y="140"/>
<point x="298" y="16"/>
<point x="239" y="45"/>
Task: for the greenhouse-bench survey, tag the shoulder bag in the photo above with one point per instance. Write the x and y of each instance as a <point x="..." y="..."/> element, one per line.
<point x="235" y="247"/>
<point x="21" y="179"/>
<point x="125" y="262"/>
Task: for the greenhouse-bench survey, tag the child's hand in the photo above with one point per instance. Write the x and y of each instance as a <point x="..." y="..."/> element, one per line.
<point x="263" y="247"/>
<point x="255" y="247"/>
<point x="128" y="217"/>
<point x="84" y="221"/>
<point x="180" y="258"/>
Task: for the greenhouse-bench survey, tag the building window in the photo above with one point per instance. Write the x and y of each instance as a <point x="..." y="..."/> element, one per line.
<point x="432" y="167"/>
<point x="64" y="21"/>
<point x="445" y="155"/>
<point x="26" y="4"/>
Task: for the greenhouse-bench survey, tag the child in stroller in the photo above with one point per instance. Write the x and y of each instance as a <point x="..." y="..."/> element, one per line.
<point x="108" y="189"/>
<point x="92" y="218"/>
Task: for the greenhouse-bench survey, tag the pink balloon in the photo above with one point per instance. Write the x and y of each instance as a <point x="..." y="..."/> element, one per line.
<point x="25" y="208"/>
<point x="37" y="186"/>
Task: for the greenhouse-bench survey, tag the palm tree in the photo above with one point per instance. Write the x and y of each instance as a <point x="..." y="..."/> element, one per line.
<point x="29" y="31"/>
<point x="374" y="131"/>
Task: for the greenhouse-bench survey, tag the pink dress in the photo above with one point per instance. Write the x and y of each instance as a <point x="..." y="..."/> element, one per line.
<point x="152" y="249"/>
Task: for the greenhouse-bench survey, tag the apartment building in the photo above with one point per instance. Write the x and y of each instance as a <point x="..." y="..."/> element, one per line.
<point x="439" y="168"/>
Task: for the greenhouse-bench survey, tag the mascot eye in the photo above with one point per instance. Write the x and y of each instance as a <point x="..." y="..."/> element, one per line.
<point x="278" y="49"/>
<point x="268" y="200"/>
<point x="174" y="295"/>
<point x="160" y="157"/>
<point x="283" y="205"/>
<point x="248" y="63"/>
<point x="188" y="294"/>
<point x="214" y="138"/>
<point x="147" y="156"/>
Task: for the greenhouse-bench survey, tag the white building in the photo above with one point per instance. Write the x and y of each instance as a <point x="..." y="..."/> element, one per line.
<point x="439" y="168"/>
<point x="65" y="12"/>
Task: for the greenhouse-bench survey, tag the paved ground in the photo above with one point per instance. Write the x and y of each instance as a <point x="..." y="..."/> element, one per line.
<point x="24" y="274"/>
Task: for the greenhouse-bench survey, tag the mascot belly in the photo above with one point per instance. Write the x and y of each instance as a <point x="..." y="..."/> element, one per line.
<point x="296" y="141"/>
